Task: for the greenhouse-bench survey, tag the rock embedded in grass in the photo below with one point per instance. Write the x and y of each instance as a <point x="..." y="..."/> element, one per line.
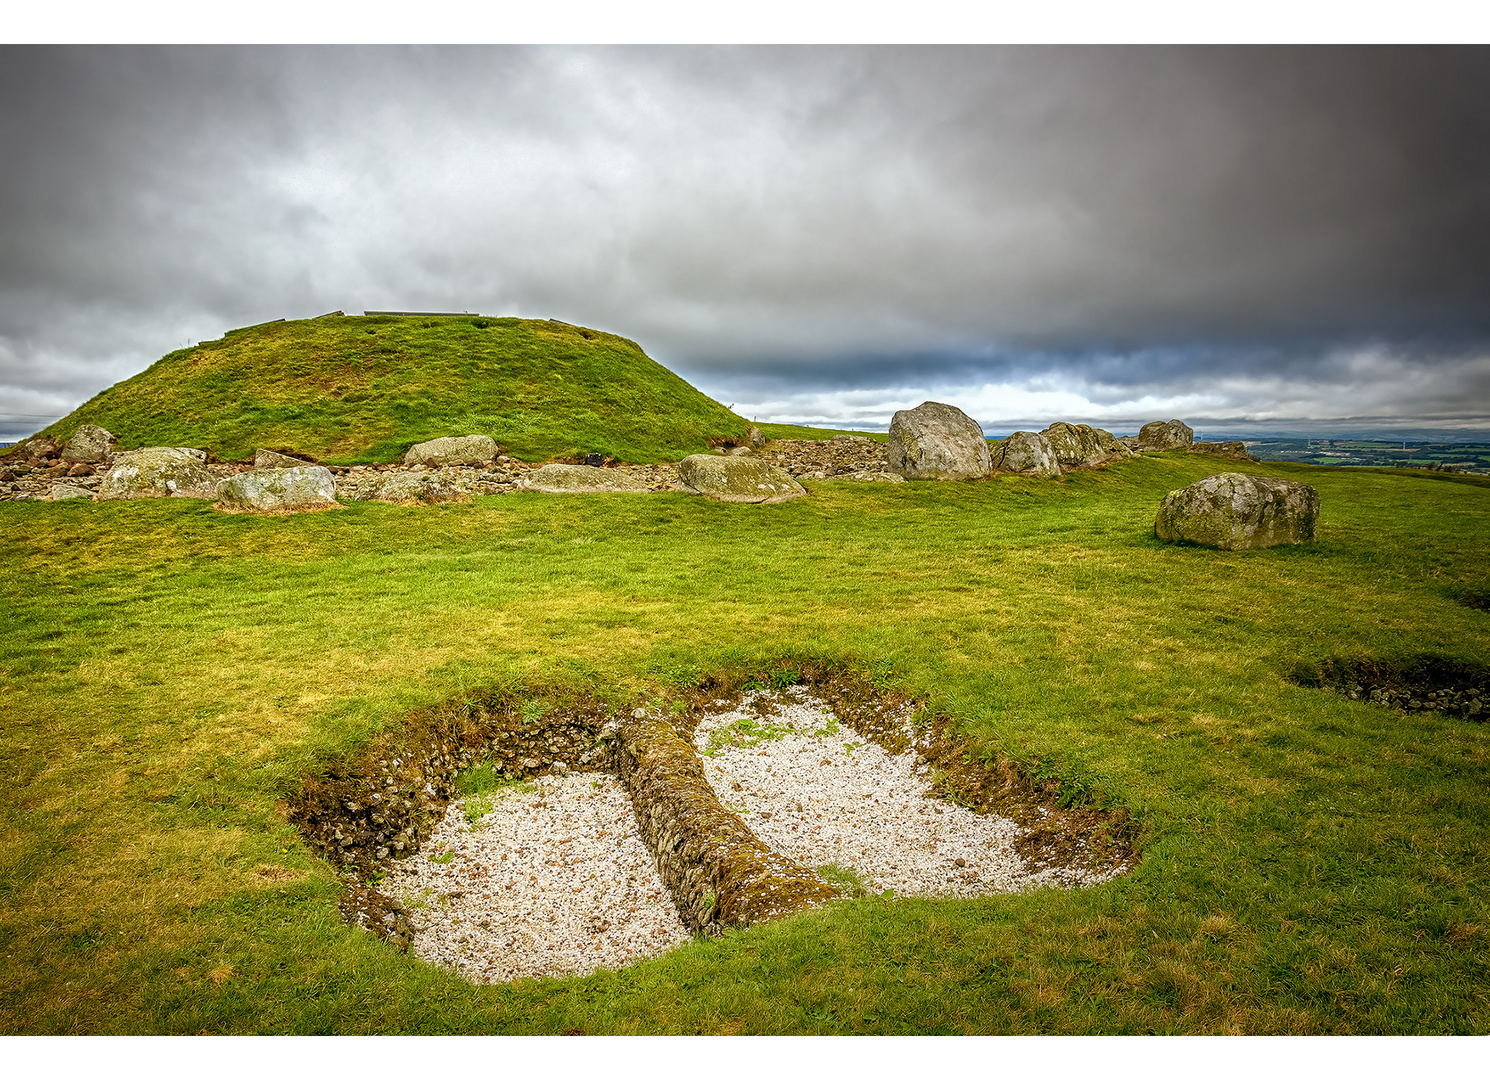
<point x="1234" y="449"/>
<point x="273" y="459"/>
<point x="154" y="472"/>
<point x="453" y="450"/>
<point x="560" y="479"/>
<point x="737" y="479"/>
<point x="308" y="487"/>
<point x="1028" y="454"/>
<point x="405" y="487"/>
<point x="69" y="491"/>
<point x="1234" y="512"/>
<point x="934" y="441"/>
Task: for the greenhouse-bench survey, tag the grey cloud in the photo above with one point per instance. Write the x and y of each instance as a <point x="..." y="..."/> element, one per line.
<point x="1130" y="224"/>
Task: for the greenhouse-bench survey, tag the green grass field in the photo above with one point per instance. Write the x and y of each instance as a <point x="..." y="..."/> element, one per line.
<point x="1309" y="863"/>
<point x="364" y="389"/>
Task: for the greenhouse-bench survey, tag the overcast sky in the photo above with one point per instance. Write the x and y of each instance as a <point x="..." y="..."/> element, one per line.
<point x="1231" y="236"/>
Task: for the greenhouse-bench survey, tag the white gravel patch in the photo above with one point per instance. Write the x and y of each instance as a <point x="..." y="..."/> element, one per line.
<point x="814" y="790"/>
<point x="555" y="881"/>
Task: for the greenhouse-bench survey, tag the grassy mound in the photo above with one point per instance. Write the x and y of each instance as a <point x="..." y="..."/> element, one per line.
<point x="350" y="389"/>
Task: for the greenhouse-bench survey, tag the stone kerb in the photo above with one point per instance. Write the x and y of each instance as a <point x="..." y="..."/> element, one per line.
<point x="934" y="441"/>
<point x="453" y="450"/>
<point x="737" y="479"/>
<point x="89" y="444"/>
<point x="561" y="479"/>
<point x="308" y="487"/>
<point x="1159" y="436"/>
<point x="154" y="472"/>
<point x="1234" y="512"/>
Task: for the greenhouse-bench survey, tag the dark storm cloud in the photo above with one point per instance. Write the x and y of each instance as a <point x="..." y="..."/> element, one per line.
<point x="1098" y="233"/>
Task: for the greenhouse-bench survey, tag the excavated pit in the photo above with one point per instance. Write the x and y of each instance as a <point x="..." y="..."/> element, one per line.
<point x="1425" y="683"/>
<point x="547" y="877"/>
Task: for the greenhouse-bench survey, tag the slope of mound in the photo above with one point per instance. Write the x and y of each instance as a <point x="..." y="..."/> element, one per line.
<point x="364" y="388"/>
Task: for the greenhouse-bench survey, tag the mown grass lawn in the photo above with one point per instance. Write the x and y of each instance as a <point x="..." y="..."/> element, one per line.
<point x="1310" y="863"/>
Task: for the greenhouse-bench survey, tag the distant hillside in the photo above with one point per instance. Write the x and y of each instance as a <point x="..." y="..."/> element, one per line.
<point x="364" y="388"/>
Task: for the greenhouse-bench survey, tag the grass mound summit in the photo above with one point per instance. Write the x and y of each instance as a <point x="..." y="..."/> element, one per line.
<point x="354" y="389"/>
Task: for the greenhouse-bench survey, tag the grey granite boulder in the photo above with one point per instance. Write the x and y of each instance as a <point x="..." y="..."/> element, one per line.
<point x="561" y="479"/>
<point x="754" y="437"/>
<point x="90" y="443"/>
<point x="1083" y="446"/>
<point x="1027" y="453"/>
<point x="937" y="442"/>
<point x="273" y="459"/>
<point x="737" y="479"/>
<point x="307" y="487"/>
<point x="405" y="487"/>
<point x="154" y="472"/>
<point x="1234" y="511"/>
<point x="453" y="450"/>
<point x="1159" y="436"/>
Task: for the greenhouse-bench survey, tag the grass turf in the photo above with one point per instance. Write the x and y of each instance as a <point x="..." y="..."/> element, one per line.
<point x="365" y="388"/>
<point x="1310" y="863"/>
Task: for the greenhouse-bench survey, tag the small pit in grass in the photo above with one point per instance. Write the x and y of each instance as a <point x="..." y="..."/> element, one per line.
<point x="1424" y="683"/>
<point x="730" y="807"/>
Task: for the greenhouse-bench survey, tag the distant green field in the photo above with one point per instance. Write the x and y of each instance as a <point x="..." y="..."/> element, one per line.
<point x="1310" y="864"/>
<point x="365" y="388"/>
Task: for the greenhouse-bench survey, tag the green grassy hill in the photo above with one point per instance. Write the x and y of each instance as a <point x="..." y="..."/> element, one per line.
<point x="364" y="388"/>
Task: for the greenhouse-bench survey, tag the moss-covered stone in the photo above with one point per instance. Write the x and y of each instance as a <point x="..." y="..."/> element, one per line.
<point x="1160" y="435"/>
<point x="1234" y="511"/>
<point x="737" y="479"/>
<point x="1027" y="453"/>
<point x="305" y="487"/>
<point x="718" y="871"/>
<point x="1083" y="446"/>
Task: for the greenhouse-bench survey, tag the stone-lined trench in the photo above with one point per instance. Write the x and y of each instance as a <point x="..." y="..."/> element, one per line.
<point x="366" y="813"/>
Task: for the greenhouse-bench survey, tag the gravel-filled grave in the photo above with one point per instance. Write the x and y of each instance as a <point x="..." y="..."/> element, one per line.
<point x="553" y="877"/>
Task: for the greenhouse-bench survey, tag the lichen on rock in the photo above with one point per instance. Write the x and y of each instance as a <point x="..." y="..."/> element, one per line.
<point x="1235" y="511"/>
<point x="737" y="479"/>
<point x="561" y="479"/>
<point x="305" y="487"/>
<point x="934" y="441"/>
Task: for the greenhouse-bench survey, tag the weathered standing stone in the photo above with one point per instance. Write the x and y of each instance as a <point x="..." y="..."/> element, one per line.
<point x="1027" y="453"/>
<point x="272" y="459"/>
<point x="561" y="479"/>
<point x="937" y="442"/>
<point x="1158" y="435"/>
<point x="1078" y="445"/>
<point x="453" y="450"/>
<point x="307" y="487"/>
<point x="1234" y="511"/>
<point x="754" y="437"/>
<point x="154" y="472"/>
<point x="737" y="479"/>
<point x="403" y="487"/>
<point x="89" y="443"/>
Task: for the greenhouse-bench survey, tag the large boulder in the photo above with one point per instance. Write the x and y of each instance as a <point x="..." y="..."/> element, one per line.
<point x="1233" y="511"/>
<point x="69" y="491"/>
<point x="154" y="472"/>
<point x="1080" y="445"/>
<point x="306" y="487"/>
<point x="1027" y="453"/>
<point x="561" y="479"/>
<point x="737" y="479"/>
<point x="406" y="487"/>
<point x="754" y="437"/>
<point x="937" y="442"/>
<point x="453" y="450"/>
<point x="1158" y="435"/>
<point x="90" y="443"/>
<point x="273" y="459"/>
